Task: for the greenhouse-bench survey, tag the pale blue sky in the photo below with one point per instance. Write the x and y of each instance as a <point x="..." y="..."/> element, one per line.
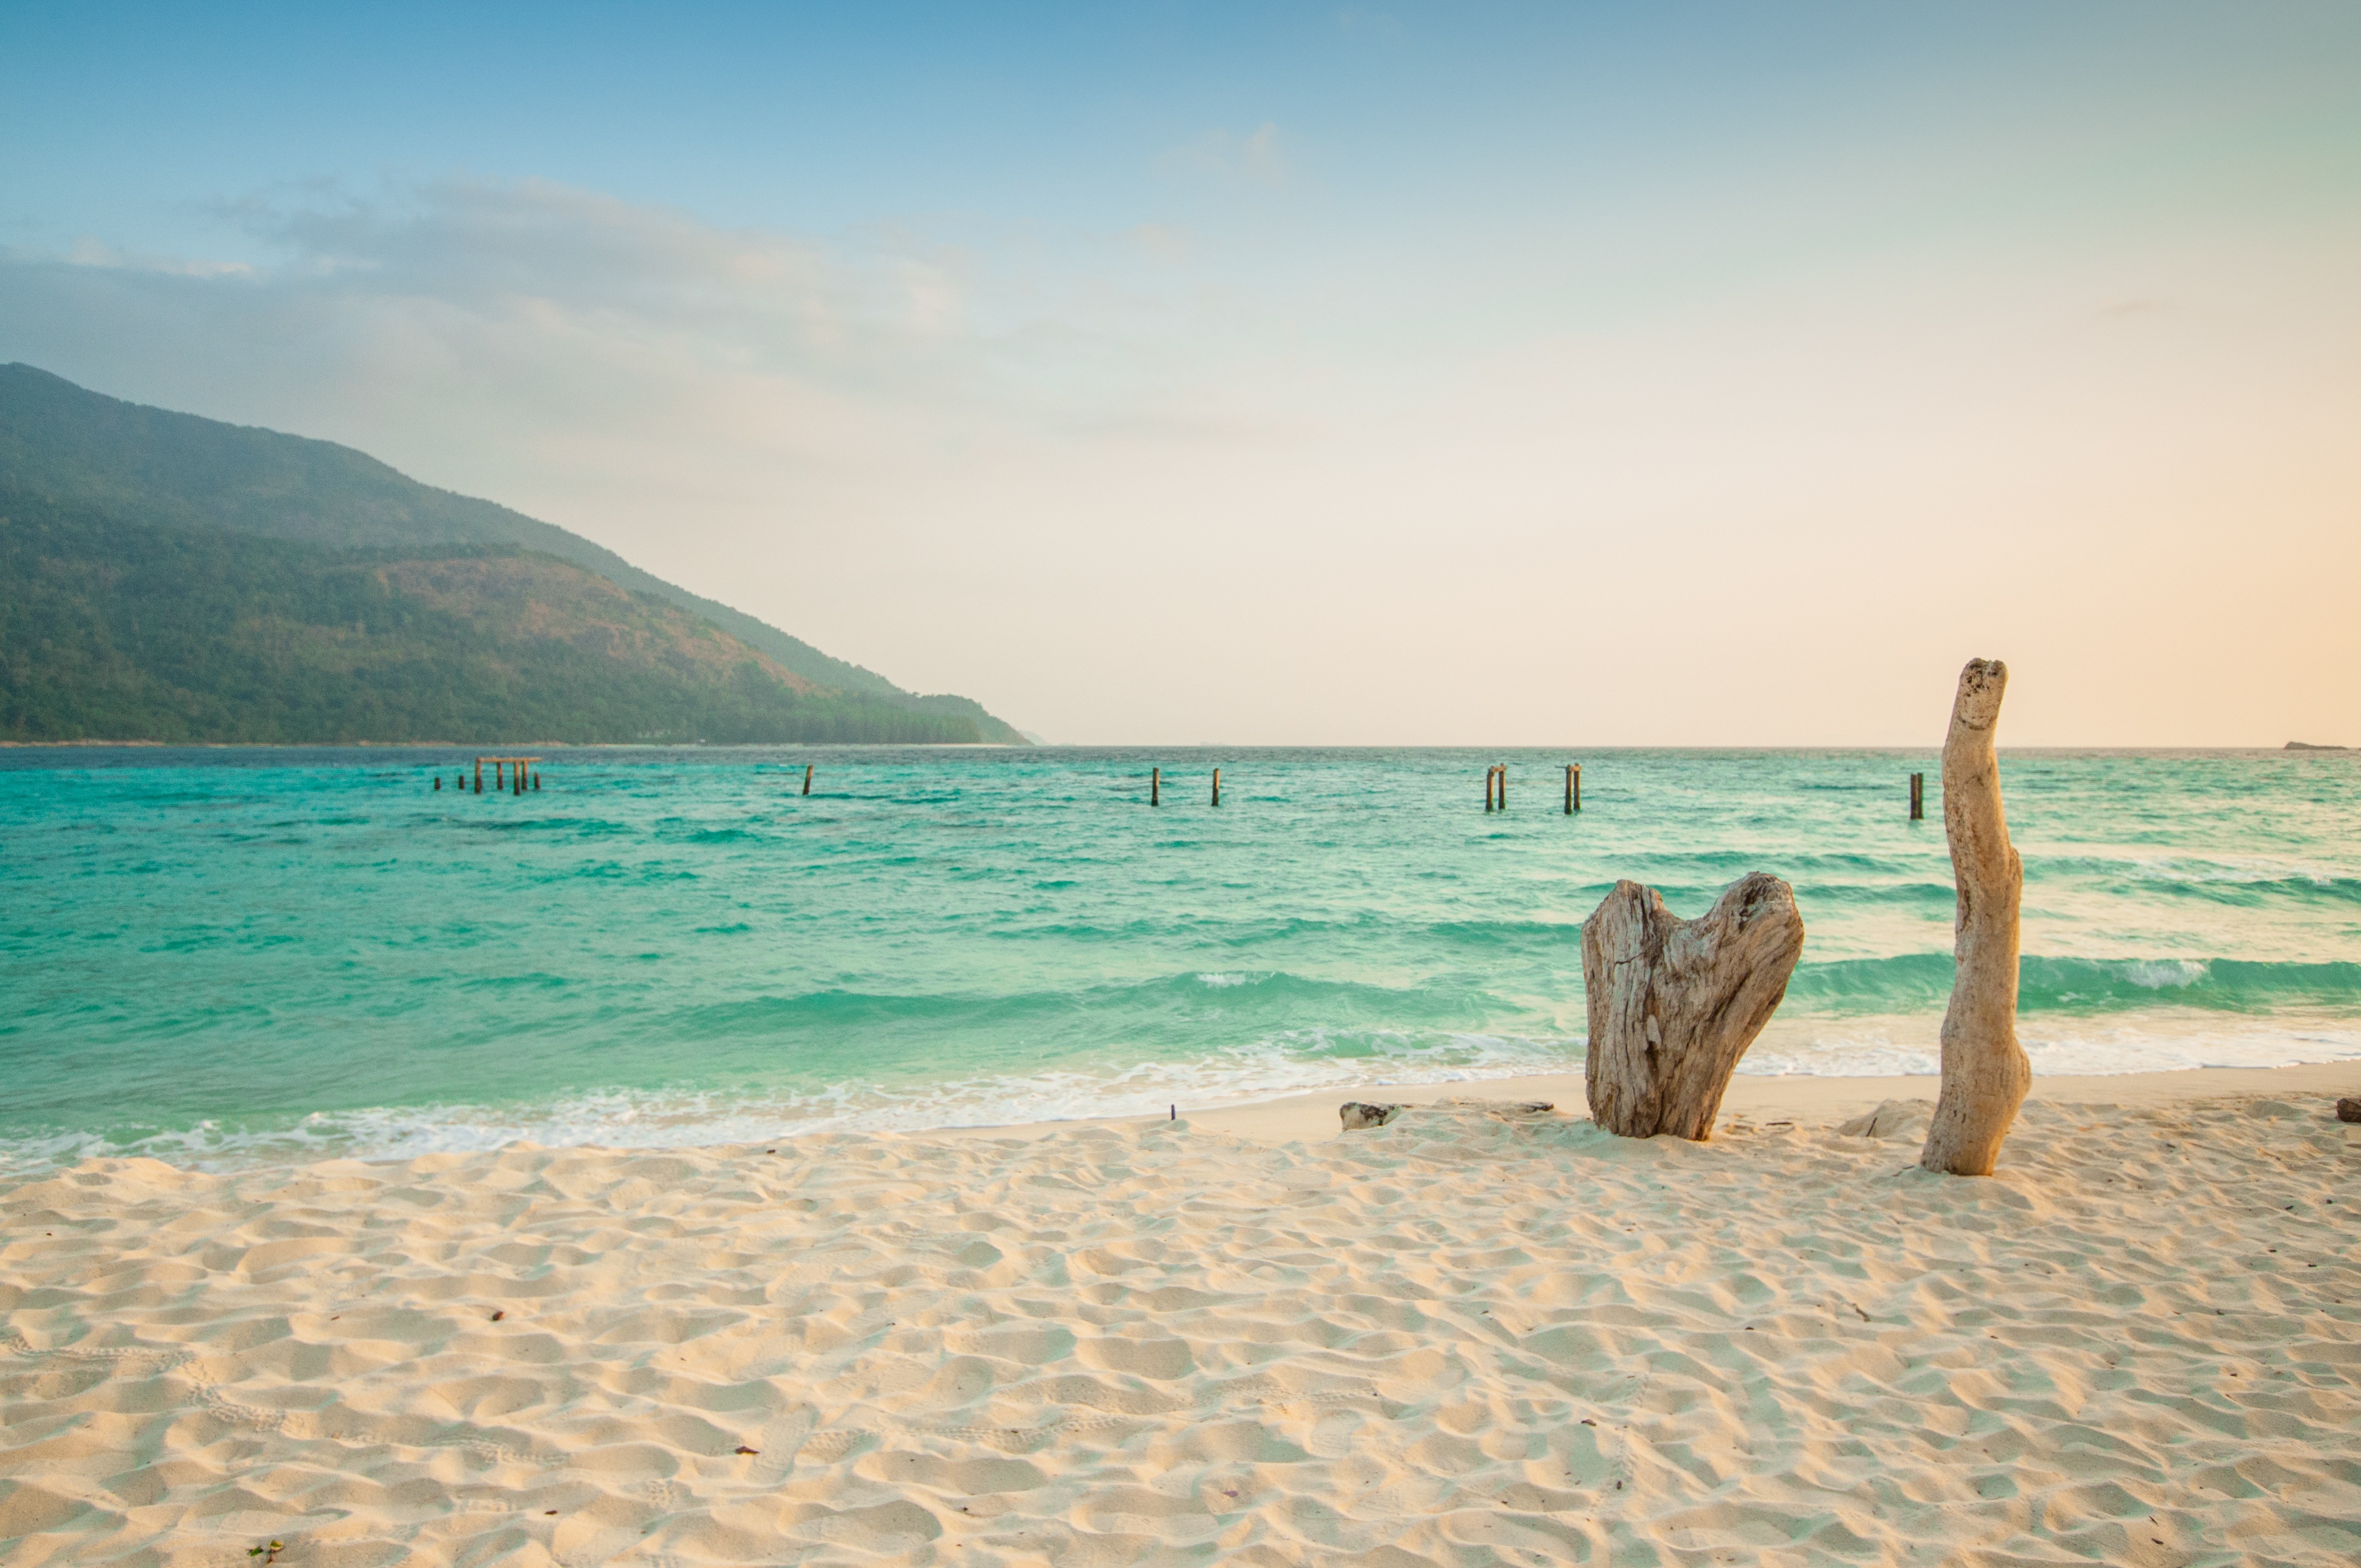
<point x="1290" y="348"/>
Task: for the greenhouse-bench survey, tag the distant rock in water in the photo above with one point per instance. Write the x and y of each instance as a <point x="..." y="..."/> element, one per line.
<point x="2307" y="746"/>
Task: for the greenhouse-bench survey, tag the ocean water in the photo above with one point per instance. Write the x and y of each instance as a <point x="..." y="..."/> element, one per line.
<point x="230" y="955"/>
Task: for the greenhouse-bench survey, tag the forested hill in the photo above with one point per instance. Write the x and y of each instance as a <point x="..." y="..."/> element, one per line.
<point x="474" y="623"/>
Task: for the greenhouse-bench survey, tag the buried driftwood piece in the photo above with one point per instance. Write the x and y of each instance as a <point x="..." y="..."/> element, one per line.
<point x="2349" y="1110"/>
<point x="1673" y="1003"/>
<point x="1356" y="1115"/>
<point x="1892" y="1119"/>
<point x="1985" y="1073"/>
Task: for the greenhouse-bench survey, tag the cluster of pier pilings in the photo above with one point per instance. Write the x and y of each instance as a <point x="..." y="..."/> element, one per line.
<point x="516" y="776"/>
<point x="510" y="775"/>
<point x="1496" y="787"/>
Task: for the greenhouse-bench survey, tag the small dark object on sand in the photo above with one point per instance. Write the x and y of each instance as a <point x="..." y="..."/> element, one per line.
<point x="2349" y="1109"/>
<point x="744" y="1449"/>
<point x="498" y="1316"/>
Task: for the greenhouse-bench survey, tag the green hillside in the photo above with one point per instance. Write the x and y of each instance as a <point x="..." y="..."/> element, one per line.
<point x="116" y="631"/>
<point x="281" y="546"/>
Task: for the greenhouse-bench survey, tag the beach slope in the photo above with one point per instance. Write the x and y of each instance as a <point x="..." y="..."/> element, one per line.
<point x="1465" y="1337"/>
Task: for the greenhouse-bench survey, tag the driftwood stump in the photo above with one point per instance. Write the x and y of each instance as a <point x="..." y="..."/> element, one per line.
<point x="1673" y="1003"/>
<point x="1985" y="1073"/>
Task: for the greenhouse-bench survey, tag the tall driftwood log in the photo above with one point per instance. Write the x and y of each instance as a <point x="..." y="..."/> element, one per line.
<point x="1985" y="1073"/>
<point x="1673" y="1003"/>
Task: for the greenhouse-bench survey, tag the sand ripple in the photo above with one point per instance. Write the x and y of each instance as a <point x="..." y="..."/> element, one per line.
<point x="1458" y="1339"/>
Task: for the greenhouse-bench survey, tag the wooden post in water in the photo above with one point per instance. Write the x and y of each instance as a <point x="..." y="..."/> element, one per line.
<point x="808" y="768"/>
<point x="1573" y="788"/>
<point x="536" y="781"/>
<point x="438" y="781"/>
<point x="1217" y="786"/>
<point x="1155" y="787"/>
<point x="1917" y="797"/>
<point x="1488" y="773"/>
<point x="480" y="776"/>
<point x="1504" y="786"/>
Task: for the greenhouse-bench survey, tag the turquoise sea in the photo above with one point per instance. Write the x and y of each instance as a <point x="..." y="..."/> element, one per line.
<point x="229" y="955"/>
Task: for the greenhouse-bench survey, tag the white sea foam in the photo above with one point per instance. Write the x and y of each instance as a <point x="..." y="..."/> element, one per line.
<point x="1297" y="1062"/>
<point x="2233" y="869"/>
<point x="1294" y="1062"/>
<point x="2153" y="1041"/>
<point x="2158" y="974"/>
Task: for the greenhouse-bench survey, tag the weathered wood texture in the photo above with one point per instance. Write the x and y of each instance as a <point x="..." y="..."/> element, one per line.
<point x="1673" y="1003"/>
<point x="1985" y="1073"/>
<point x="1357" y="1115"/>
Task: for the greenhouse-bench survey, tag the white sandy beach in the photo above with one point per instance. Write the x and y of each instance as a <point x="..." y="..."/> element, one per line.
<point x="1462" y="1338"/>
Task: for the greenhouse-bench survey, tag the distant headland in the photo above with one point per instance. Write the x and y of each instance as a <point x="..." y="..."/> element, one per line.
<point x="178" y="579"/>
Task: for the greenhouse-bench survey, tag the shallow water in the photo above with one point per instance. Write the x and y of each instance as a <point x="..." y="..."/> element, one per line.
<point x="236" y="954"/>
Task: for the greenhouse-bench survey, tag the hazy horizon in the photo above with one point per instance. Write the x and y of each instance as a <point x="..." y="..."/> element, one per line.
<point x="1711" y="377"/>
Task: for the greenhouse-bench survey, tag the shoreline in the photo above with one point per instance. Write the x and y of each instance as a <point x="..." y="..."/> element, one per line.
<point x="1807" y="1100"/>
<point x="1310" y="1116"/>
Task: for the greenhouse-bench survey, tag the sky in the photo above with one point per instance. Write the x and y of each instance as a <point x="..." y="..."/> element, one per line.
<point x="1693" y="374"/>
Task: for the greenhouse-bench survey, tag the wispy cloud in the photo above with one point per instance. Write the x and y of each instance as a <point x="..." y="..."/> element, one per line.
<point x="533" y="247"/>
<point x="1256" y="157"/>
<point x="564" y="323"/>
<point x="541" y="252"/>
<point x="96" y="253"/>
<point x="1165" y="242"/>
